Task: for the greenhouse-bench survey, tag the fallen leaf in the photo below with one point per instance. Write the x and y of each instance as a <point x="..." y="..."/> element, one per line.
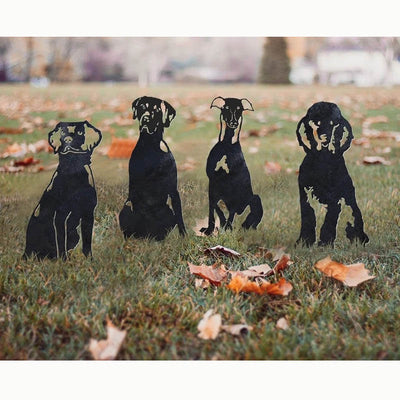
<point x="222" y="250"/>
<point x="243" y="284"/>
<point x="10" y="131"/>
<point x="264" y="131"/>
<point x="282" y="323"/>
<point x="253" y="150"/>
<point x="121" y="148"/>
<point x="212" y="273"/>
<point x="374" y="120"/>
<point x="237" y="329"/>
<point x="274" y="254"/>
<point x="351" y="275"/>
<point x="26" y="161"/>
<point x="281" y="288"/>
<point x="188" y="165"/>
<point x="107" y="349"/>
<point x="283" y="263"/>
<point x="201" y="283"/>
<point x="271" y="167"/>
<point x="209" y="326"/>
<point x="374" y="160"/>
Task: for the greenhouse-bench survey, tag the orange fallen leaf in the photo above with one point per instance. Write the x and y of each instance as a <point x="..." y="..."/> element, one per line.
<point x="209" y="326"/>
<point x="271" y="167"/>
<point x="10" y="131"/>
<point x="281" y="288"/>
<point x="121" y="148"/>
<point x="254" y="271"/>
<point x="243" y="284"/>
<point x="351" y="275"/>
<point x="212" y="273"/>
<point x="373" y="160"/>
<point x="222" y="250"/>
<point x="107" y="349"/>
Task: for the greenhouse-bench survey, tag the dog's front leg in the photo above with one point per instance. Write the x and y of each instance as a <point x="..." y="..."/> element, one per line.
<point x="60" y="228"/>
<point x="87" y="222"/>
<point x="328" y="229"/>
<point x="356" y="231"/>
<point x="308" y="221"/>
<point x="177" y="207"/>
<point x="212" y="204"/>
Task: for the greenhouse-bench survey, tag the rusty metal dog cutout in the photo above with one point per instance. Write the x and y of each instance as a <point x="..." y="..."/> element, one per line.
<point x="70" y="198"/>
<point x="325" y="135"/>
<point x="153" y="206"/>
<point x="229" y="177"/>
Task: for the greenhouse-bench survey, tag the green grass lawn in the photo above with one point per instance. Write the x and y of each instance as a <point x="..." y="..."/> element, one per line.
<point x="51" y="309"/>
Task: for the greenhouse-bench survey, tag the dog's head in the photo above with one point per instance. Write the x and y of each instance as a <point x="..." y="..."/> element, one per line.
<point x="324" y="129"/>
<point x="231" y="109"/>
<point x="153" y="114"/>
<point x="74" y="137"/>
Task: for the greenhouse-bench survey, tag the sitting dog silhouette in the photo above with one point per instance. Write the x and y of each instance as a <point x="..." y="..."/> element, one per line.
<point x="323" y="174"/>
<point x="70" y="198"/>
<point x="152" y="176"/>
<point x="229" y="178"/>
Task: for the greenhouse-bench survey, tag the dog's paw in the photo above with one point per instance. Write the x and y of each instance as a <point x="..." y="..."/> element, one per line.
<point x="307" y="242"/>
<point x="207" y="231"/>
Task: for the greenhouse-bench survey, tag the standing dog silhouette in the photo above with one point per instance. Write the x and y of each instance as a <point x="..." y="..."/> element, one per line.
<point x="229" y="178"/>
<point x="324" y="176"/>
<point x="152" y="176"/>
<point x="70" y="198"/>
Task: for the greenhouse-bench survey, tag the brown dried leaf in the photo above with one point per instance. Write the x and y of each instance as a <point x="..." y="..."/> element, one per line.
<point x="221" y="250"/>
<point x="201" y="283"/>
<point x="209" y="326"/>
<point x="282" y="323"/>
<point x="271" y="167"/>
<point x="107" y="349"/>
<point x="351" y="275"/>
<point x="374" y="160"/>
<point x="10" y="131"/>
<point x="283" y="263"/>
<point x="212" y="273"/>
<point x="26" y="161"/>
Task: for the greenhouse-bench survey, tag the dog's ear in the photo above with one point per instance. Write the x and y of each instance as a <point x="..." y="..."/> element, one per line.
<point x="218" y="102"/>
<point x="168" y="113"/>
<point x="55" y="138"/>
<point x="302" y="135"/>
<point x="347" y="136"/>
<point x="247" y="106"/>
<point x="92" y="137"/>
<point x="135" y="104"/>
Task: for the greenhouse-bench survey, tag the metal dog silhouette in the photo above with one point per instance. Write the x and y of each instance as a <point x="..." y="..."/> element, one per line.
<point x="70" y="198"/>
<point x="323" y="174"/>
<point x="152" y="176"/>
<point x="229" y="178"/>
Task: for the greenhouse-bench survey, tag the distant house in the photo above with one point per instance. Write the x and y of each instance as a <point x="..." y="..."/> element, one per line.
<point x="346" y="66"/>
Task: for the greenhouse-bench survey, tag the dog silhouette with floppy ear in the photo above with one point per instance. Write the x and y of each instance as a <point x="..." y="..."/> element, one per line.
<point x="153" y="207"/>
<point x="229" y="178"/>
<point x="325" y="135"/>
<point x="70" y="198"/>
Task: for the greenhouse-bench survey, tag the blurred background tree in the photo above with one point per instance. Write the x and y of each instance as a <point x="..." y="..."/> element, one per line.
<point x="275" y="64"/>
